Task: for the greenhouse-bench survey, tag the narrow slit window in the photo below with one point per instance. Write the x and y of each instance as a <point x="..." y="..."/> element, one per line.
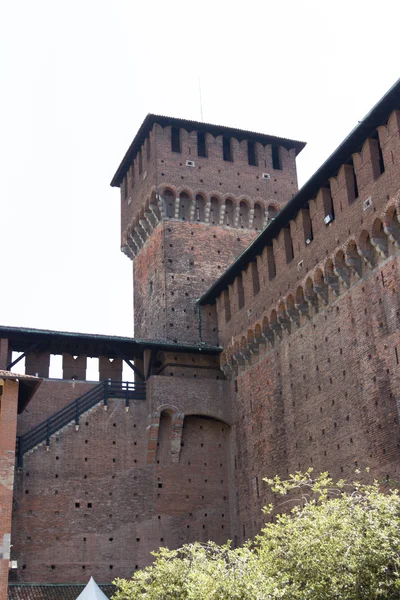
<point x="352" y="184"/>
<point x="148" y="149"/>
<point x="255" y="277"/>
<point x="201" y="144"/>
<point x="251" y="154"/>
<point x="227" y="149"/>
<point x="240" y="290"/>
<point x="227" y="306"/>
<point x="140" y="162"/>
<point x="271" y="262"/>
<point x="276" y="158"/>
<point x="327" y="201"/>
<point x="378" y="165"/>
<point x="175" y="139"/>
<point x="307" y="226"/>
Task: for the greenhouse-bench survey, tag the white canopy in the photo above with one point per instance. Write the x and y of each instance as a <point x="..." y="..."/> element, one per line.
<point x="92" y="592"/>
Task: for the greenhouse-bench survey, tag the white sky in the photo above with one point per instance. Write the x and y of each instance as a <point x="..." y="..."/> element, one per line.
<point x="77" y="79"/>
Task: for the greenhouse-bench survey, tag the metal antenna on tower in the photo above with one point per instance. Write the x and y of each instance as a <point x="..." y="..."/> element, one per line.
<point x="201" y="102"/>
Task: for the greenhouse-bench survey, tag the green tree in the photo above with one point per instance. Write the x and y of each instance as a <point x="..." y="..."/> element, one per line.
<point x="338" y="541"/>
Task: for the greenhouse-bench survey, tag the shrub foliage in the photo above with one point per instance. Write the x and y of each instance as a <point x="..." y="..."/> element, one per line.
<point x="338" y="541"/>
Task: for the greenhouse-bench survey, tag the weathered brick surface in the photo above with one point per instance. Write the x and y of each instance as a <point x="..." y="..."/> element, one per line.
<point x="314" y="353"/>
<point x="310" y="363"/>
<point x="51" y="397"/>
<point x="177" y="264"/>
<point x="136" y="506"/>
<point x="8" y="426"/>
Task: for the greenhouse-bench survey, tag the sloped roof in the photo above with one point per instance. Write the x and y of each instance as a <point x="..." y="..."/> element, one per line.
<point x="57" y="342"/>
<point x="239" y="134"/>
<point x="60" y="591"/>
<point x="92" y="592"/>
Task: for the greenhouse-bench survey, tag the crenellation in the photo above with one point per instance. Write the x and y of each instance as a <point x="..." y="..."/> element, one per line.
<point x="267" y="341"/>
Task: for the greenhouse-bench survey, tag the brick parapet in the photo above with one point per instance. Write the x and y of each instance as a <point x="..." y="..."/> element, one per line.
<point x="355" y="229"/>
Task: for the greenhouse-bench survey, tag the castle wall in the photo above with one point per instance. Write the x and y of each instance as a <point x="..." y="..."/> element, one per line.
<point x="101" y="498"/>
<point x="51" y="397"/>
<point x="175" y="266"/>
<point x="313" y="349"/>
<point x="355" y="231"/>
<point x="324" y="396"/>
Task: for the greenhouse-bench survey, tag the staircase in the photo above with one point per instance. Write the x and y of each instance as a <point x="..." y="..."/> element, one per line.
<point x="126" y="390"/>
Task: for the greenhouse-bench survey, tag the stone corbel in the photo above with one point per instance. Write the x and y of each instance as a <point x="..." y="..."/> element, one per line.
<point x="333" y="282"/>
<point x="380" y="245"/>
<point x="343" y="274"/>
<point x="303" y="308"/>
<point x="355" y="264"/>
<point x="393" y="234"/>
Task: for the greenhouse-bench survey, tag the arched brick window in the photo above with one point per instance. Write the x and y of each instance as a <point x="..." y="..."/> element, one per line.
<point x="169" y="204"/>
<point x="272" y="211"/>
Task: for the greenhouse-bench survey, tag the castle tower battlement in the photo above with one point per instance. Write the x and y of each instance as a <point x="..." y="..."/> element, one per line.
<point x="193" y="196"/>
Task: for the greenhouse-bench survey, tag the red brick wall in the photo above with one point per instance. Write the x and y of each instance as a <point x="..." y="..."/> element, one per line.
<point x="177" y="261"/>
<point x="325" y="396"/>
<point x="314" y="355"/>
<point x="177" y="264"/>
<point x="8" y="426"/>
<point x="351" y="222"/>
<point x="52" y="395"/>
<point x="142" y="496"/>
<point x="212" y="174"/>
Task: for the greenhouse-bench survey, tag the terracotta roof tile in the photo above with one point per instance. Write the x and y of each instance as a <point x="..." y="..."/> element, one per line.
<point x="37" y="591"/>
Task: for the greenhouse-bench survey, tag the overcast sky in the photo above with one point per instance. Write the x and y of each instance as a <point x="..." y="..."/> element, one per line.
<point x="77" y="79"/>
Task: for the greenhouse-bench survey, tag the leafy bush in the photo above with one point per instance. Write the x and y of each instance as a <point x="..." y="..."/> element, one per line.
<point x="339" y="541"/>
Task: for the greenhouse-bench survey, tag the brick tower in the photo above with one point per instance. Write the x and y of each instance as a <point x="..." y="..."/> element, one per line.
<point x="193" y="196"/>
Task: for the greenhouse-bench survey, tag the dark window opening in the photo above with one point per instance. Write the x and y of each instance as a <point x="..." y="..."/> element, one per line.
<point x="227" y="149"/>
<point x="227" y="306"/>
<point x="255" y="277"/>
<point x="251" y="154"/>
<point x="327" y="201"/>
<point x="140" y="162"/>
<point x="271" y="262"/>
<point x="276" y="158"/>
<point x="352" y="184"/>
<point x="201" y="144"/>
<point x="378" y="165"/>
<point x="240" y="291"/>
<point x="307" y="226"/>
<point x="175" y="139"/>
